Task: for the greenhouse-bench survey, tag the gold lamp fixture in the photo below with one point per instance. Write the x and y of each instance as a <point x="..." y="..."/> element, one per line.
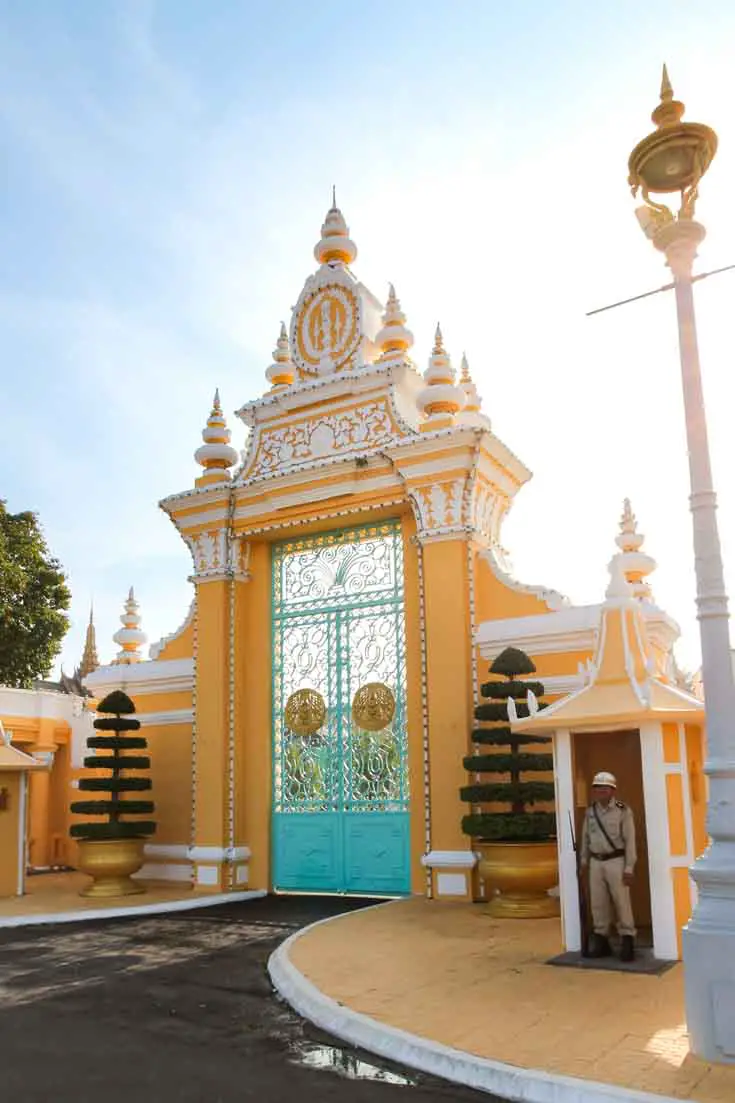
<point x="673" y="158"/>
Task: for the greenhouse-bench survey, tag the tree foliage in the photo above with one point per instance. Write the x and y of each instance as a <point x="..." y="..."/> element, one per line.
<point x="518" y="824"/>
<point x="118" y="782"/>
<point x="34" y="598"/>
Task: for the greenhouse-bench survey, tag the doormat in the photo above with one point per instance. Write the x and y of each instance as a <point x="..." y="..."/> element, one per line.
<point x="643" y="963"/>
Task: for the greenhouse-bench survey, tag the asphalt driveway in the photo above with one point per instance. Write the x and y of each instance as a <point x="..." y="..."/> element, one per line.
<point x="177" y="1008"/>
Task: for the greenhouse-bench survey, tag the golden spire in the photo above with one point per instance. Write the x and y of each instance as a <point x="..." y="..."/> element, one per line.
<point x="335" y="245"/>
<point x="129" y="637"/>
<point x="394" y="339"/>
<point x="669" y="111"/>
<point x="281" y="373"/>
<point x="216" y="455"/>
<point x="90" y="661"/>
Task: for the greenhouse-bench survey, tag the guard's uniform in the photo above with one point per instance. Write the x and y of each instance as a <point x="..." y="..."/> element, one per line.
<point x="608" y="863"/>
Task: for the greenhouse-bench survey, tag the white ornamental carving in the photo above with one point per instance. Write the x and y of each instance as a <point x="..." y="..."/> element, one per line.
<point x="345" y="431"/>
<point x="439" y="507"/>
<point x="216" y="555"/>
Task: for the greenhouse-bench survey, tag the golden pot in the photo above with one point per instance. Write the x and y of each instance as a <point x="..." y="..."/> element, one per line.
<point x="110" y="862"/>
<point x="518" y="877"/>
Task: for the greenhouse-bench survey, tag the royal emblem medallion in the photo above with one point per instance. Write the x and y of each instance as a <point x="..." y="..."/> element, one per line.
<point x="373" y="707"/>
<point x="305" y="712"/>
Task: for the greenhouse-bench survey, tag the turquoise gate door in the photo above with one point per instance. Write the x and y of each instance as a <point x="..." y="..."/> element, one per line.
<point x="340" y="754"/>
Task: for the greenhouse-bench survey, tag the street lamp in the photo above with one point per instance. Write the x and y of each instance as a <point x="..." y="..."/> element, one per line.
<point x="674" y="159"/>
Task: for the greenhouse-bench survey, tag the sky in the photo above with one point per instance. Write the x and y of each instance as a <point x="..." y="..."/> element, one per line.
<point x="166" y="167"/>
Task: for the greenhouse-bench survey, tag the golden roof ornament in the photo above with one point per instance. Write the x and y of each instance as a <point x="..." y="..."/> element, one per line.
<point x="335" y="245"/>
<point x="673" y="158"/>
<point x="281" y="373"/>
<point x="393" y="339"/>
<point x="90" y="660"/>
<point x="216" y="455"/>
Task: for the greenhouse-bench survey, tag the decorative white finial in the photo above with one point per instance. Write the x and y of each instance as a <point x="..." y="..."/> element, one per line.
<point x="471" y="412"/>
<point x="618" y="587"/>
<point x="637" y="565"/>
<point x="216" y="455"/>
<point x="281" y="373"/>
<point x="335" y="245"/>
<point x="130" y="637"/>
<point x="441" y="398"/>
<point x="393" y="339"/>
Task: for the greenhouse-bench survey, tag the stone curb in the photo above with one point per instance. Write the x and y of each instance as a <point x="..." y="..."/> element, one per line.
<point x="508" y="1081"/>
<point x="132" y="910"/>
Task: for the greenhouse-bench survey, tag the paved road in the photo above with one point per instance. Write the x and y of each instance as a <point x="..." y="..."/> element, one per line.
<point x="177" y="1009"/>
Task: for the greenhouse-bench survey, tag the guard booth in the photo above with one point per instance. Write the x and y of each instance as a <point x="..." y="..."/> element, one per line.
<point x="14" y="769"/>
<point x="651" y="736"/>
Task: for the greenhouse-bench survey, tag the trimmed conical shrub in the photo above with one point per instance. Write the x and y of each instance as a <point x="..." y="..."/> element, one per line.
<point x="118" y="721"/>
<point x="520" y="823"/>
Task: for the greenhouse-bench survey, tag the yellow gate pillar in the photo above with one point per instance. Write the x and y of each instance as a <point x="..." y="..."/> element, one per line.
<point x="449" y="700"/>
<point x="218" y="854"/>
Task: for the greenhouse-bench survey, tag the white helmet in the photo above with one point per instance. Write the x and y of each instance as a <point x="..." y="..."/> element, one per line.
<point x="604" y="778"/>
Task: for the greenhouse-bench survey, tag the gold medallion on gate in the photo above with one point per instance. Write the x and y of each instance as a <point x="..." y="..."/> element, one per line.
<point x="305" y="712"/>
<point x="373" y="707"/>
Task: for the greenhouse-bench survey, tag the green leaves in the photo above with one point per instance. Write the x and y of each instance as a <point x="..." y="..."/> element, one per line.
<point x="117" y="702"/>
<point x="34" y="598"/>
<point x="123" y="830"/>
<point x="508" y="763"/>
<point x="119" y="781"/>
<point x="510" y="826"/>
<point x="528" y="792"/>
<point x="512" y="662"/>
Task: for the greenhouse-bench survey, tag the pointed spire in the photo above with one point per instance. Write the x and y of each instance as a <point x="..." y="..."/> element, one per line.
<point x="216" y="455"/>
<point x="281" y="372"/>
<point x="635" y="564"/>
<point x="335" y="245"/>
<point x="471" y="412"/>
<point x="130" y="637"/>
<point x="667" y="92"/>
<point x="393" y="339"/>
<point x="669" y="111"/>
<point x="441" y="398"/>
<point x="90" y="660"/>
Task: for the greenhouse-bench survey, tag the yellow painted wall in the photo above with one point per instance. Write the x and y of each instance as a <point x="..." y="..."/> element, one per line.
<point x="253" y="711"/>
<point x="682" y="900"/>
<point x="414" y="708"/>
<point x="169" y="748"/>
<point x="181" y="647"/>
<point x="671" y="742"/>
<point x="162" y="702"/>
<point x="212" y="713"/>
<point x="10" y="828"/>
<point x="675" y="805"/>
<point x="450" y="685"/>
<point x="697" y="785"/>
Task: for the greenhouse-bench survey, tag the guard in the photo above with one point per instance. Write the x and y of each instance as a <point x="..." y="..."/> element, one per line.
<point x="608" y="847"/>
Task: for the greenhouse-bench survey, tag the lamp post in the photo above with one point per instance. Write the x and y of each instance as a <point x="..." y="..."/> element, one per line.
<point x="673" y="159"/>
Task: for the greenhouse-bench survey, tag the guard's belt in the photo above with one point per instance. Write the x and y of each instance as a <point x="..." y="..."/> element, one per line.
<point x="608" y="856"/>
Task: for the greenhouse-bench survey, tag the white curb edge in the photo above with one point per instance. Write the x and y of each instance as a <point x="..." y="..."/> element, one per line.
<point x="132" y="910"/>
<point x="508" y="1081"/>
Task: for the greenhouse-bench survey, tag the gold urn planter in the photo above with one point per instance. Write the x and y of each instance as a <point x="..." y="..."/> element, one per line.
<point x="110" y="863"/>
<point x="518" y="877"/>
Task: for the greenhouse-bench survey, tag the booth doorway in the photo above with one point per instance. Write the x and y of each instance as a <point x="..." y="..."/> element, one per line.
<point x="620" y="753"/>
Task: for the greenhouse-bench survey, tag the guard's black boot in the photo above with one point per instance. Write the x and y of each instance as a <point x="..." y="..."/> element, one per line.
<point x="627" y="948"/>
<point x="600" y="946"/>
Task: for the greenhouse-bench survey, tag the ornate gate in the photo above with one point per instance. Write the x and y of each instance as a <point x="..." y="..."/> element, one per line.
<point x="340" y="784"/>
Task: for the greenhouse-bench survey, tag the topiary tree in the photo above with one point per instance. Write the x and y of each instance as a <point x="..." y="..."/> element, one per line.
<point x="519" y="824"/>
<point x="118" y="707"/>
